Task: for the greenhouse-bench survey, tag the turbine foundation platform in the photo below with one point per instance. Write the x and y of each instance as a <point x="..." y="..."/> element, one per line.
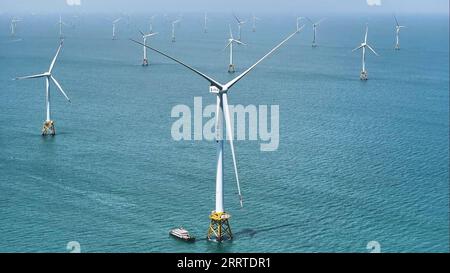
<point x="145" y="62"/>
<point x="231" y="68"/>
<point x="48" y="128"/>
<point x="219" y="228"/>
<point x="363" y="76"/>
<point x="397" y="47"/>
<point x="314" y="45"/>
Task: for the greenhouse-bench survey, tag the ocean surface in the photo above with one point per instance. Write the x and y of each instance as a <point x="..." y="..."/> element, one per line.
<point x="357" y="161"/>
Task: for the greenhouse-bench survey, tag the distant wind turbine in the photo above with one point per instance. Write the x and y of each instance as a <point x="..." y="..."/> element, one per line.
<point x="114" y="23"/>
<point x="363" y="46"/>
<point x="397" y="33"/>
<point x="219" y="225"/>
<point x="254" y="22"/>
<point x="231" y="40"/>
<point x="13" y="26"/>
<point x="49" y="126"/>
<point x="173" y="29"/>
<point x="315" y="25"/>
<point x="205" y="23"/>
<point x="61" y="24"/>
<point x="144" y="38"/>
<point x="240" y="24"/>
<point x="298" y="22"/>
<point x="151" y="23"/>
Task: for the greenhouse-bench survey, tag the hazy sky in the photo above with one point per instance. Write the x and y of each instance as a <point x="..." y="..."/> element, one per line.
<point x="294" y="6"/>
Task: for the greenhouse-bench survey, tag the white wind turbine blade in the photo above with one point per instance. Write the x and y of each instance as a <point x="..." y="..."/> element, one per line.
<point x="239" y="42"/>
<point x="307" y="18"/>
<point x="142" y="33"/>
<point x="320" y="21"/>
<point x="56" y="56"/>
<point x="231" y="32"/>
<point x="211" y="80"/>
<point x="237" y="19"/>
<point x="235" y="80"/>
<point x="356" y="48"/>
<point x="372" y="50"/>
<point x="396" y="22"/>
<point x="230" y="138"/>
<point x="117" y="20"/>
<point x="30" y="77"/>
<point x="151" y="34"/>
<point x="365" y="36"/>
<point x="59" y="87"/>
<point x="229" y="43"/>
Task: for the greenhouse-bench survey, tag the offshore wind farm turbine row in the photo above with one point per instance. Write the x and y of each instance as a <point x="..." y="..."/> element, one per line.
<point x="219" y="228"/>
<point x="231" y="40"/>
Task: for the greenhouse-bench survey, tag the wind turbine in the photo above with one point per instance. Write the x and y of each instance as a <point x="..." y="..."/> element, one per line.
<point x="363" y="46"/>
<point x="219" y="225"/>
<point x="315" y="25"/>
<point x="114" y="23"/>
<point x="144" y="38"/>
<point x="240" y="24"/>
<point x="298" y="23"/>
<point x="254" y="22"/>
<point x="205" y="24"/>
<point x="13" y="26"/>
<point x="231" y="40"/>
<point x="49" y="126"/>
<point x="173" y="29"/>
<point x="151" y="23"/>
<point x="61" y="23"/>
<point x="397" y="33"/>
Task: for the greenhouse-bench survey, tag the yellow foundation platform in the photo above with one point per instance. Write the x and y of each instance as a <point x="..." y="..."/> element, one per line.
<point x="219" y="227"/>
<point x="48" y="128"/>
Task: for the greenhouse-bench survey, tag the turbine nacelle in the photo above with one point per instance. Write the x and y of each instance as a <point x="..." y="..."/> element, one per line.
<point x="215" y="90"/>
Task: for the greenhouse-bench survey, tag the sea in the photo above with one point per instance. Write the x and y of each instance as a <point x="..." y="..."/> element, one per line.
<point x="358" y="162"/>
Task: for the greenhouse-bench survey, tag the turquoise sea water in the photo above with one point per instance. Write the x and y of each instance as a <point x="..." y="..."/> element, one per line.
<point x="357" y="161"/>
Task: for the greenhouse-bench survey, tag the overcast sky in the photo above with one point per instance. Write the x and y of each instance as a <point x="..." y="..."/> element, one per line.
<point x="274" y="6"/>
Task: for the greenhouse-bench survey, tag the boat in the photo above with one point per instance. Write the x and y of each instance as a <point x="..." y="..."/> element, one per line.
<point x="182" y="234"/>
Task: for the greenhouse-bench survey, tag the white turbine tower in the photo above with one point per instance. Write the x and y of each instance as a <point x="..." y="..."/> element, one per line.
<point x="173" y="29"/>
<point x="114" y="24"/>
<point x="144" y="38"/>
<point x="397" y="33"/>
<point x="254" y="22"/>
<point x="49" y="126"/>
<point x="231" y="40"/>
<point x="61" y="24"/>
<point x="315" y="25"/>
<point x="240" y="24"/>
<point x="13" y="26"/>
<point x="363" y="46"/>
<point x="219" y="225"/>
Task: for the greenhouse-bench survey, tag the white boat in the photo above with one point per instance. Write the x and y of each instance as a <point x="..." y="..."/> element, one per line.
<point x="182" y="234"/>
